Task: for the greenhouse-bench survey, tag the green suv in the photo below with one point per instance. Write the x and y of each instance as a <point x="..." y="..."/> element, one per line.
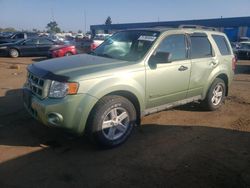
<point x="132" y="74"/>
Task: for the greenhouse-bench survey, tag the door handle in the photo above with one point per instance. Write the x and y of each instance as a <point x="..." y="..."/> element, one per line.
<point x="182" y="68"/>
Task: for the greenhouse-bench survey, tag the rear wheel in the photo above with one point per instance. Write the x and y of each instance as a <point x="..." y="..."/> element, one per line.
<point x="112" y="121"/>
<point x="13" y="52"/>
<point x="215" y="95"/>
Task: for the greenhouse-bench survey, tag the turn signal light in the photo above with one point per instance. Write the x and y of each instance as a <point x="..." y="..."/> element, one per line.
<point x="73" y="88"/>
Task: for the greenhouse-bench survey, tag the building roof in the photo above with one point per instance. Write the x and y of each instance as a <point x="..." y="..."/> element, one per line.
<point x="218" y="22"/>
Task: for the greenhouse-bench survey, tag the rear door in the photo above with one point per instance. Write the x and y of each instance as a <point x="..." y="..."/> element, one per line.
<point x="203" y="62"/>
<point x="44" y="45"/>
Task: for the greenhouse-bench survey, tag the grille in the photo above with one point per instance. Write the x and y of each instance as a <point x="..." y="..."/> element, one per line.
<point x="37" y="85"/>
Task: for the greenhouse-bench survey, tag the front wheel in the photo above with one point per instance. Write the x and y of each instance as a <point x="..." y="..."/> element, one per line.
<point x="111" y="121"/>
<point x="215" y="95"/>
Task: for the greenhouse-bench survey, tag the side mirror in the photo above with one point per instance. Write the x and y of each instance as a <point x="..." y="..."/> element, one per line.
<point x="159" y="57"/>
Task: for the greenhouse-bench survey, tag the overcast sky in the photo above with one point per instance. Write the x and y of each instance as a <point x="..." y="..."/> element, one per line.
<point x="69" y="14"/>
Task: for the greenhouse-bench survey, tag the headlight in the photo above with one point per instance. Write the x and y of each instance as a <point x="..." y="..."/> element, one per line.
<point x="61" y="89"/>
<point x="3" y="47"/>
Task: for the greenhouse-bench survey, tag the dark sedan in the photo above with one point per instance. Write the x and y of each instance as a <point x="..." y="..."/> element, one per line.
<point x="27" y="47"/>
<point x="243" y="52"/>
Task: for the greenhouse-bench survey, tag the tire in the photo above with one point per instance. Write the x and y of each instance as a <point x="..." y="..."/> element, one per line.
<point x="14" y="52"/>
<point x="111" y="122"/>
<point x="68" y="54"/>
<point x="215" y="96"/>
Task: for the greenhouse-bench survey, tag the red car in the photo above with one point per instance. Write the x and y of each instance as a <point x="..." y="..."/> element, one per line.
<point x="60" y="51"/>
<point x="86" y="46"/>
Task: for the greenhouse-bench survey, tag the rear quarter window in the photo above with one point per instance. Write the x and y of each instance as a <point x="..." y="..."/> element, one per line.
<point x="222" y="44"/>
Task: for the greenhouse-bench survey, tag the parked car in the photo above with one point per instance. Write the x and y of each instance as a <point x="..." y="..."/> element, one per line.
<point x="85" y="46"/>
<point x="79" y="36"/>
<point x="17" y="36"/>
<point x="243" y="39"/>
<point x="98" y="39"/>
<point x="27" y="47"/>
<point x="62" y="50"/>
<point x="56" y="38"/>
<point x="5" y="34"/>
<point x="88" y="45"/>
<point x="132" y="74"/>
<point x="243" y="52"/>
<point x="235" y="46"/>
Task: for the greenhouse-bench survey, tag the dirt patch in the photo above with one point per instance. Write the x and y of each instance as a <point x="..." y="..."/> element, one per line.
<point x="241" y="124"/>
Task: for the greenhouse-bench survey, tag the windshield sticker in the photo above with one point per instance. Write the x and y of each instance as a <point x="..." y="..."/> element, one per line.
<point x="147" y="38"/>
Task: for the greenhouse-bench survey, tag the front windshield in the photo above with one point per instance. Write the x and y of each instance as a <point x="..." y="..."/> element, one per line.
<point x="127" y="45"/>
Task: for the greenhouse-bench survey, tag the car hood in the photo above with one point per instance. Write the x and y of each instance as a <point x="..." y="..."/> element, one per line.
<point x="76" y="67"/>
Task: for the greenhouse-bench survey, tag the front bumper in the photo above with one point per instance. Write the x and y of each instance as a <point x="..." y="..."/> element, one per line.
<point x="70" y="112"/>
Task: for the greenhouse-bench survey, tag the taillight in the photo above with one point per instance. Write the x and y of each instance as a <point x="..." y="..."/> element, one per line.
<point x="234" y="61"/>
<point x="93" y="46"/>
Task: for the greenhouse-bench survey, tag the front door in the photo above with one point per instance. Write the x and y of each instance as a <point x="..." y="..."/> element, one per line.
<point x="29" y="47"/>
<point x="167" y="82"/>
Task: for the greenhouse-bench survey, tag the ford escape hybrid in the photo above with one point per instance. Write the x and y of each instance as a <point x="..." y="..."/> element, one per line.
<point x="132" y="74"/>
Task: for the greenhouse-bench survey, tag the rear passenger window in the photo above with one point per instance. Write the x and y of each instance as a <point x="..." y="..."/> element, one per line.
<point x="200" y="47"/>
<point x="222" y="44"/>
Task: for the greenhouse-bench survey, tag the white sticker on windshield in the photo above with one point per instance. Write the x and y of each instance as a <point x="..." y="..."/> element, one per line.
<point x="147" y="38"/>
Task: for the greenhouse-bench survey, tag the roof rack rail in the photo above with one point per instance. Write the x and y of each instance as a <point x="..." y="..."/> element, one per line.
<point x="198" y="27"/>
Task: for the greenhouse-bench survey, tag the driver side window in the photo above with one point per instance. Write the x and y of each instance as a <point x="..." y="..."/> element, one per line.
<point x="31" y="42"/>
<point x="19" y="36"/>
<point x="175" y="45"/>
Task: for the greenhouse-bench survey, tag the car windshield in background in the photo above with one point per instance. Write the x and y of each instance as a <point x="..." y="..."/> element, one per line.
<point x="245" y="46"/>
<point x="127" y="45"/>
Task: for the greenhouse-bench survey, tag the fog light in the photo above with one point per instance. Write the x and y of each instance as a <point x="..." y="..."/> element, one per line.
<point x="55" y="119"/>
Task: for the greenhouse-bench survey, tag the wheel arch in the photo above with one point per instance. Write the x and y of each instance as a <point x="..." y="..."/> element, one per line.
<point x="68" y="52"/>
<point x="222" y="76"/>
<point x="126" y="85"/>
<point x="225" y="79"/>
<point x="123" y="93"/>
<point x="133" y="99"/>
